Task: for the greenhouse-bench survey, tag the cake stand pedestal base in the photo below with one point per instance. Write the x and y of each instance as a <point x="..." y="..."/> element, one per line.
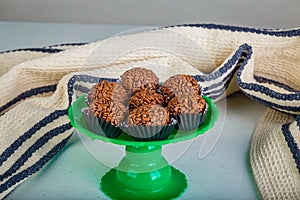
<point x="143" y="174"/>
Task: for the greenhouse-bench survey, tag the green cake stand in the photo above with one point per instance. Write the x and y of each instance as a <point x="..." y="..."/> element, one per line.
<point x="143" y="173"/>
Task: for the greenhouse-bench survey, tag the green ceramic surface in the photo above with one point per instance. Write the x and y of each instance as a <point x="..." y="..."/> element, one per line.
<point x="172" y="189"/>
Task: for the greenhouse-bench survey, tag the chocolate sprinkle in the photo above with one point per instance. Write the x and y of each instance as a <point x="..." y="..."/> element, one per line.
<point x="138" y="78"/>
<point x="149" y="115"/>
<point x="186" y="103"/>
<point x="145" y="97"/>
<point x="180" y="84"/>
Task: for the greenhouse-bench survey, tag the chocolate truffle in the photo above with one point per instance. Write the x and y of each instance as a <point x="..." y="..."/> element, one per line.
<point x="179" y="84"/>
<point x="149" y="115"/>
<point x="106" y="101"/>
<point x="139" y="78"/>
<point x="187" y="103"/>
<point x="145" y="97"/>
<point x="106" y="92"/>
<point x="113" y="113"/>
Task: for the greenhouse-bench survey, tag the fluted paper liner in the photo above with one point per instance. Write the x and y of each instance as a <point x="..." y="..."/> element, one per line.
<point x="150" y="133"/>
<point x="187" y="121"/>
<point x="100" y="126"/>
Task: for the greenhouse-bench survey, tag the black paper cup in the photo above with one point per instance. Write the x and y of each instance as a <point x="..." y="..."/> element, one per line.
<point x="187" y="121"/>
<point x="150" y="133"/>
<point x="100" y="126"/>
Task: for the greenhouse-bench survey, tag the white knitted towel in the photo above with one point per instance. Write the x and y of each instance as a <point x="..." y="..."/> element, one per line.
<point x="38" y="85"/>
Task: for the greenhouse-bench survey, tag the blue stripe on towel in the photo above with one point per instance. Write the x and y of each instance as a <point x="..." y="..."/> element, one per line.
<point x="298" y="121"/>
<point x="38" y="144"/>
<point x="68" y="44"/>
<point x="28" y="93"/>
<point x="81" y="88"/>
<point x="232" y="64"/>
<point x="41" y="50"/>
<point x="48" y="119"/>
<point x="28" y="134"/>
<point x="227" y="66"/>
<point x="265" y="90"/>
<point x="274" y="105"/>
<point x="214" y="94"/>
<point x="291" y="144"/>
<point x="34" y="168"/>
<point x="271" y="32"/>
<point x="271" y="93"/>
<point x="224" y="83"/>
<point x="273" y="82"/>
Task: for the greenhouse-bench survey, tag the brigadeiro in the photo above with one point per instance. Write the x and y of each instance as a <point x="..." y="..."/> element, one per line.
<point x="178" y="84"/>
<point x="106" y="109"/>
<point x="106" y="91"/>
<point x="150" y="122"/>
<point x="149" y="115"/>
<point x="138" y="78"/>
<point x="145" y="97"/>
<point x="187" y="103"/>
<point x="189" y="110"/>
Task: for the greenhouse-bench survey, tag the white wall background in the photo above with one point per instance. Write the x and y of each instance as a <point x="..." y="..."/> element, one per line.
<point x="255" y="13"/>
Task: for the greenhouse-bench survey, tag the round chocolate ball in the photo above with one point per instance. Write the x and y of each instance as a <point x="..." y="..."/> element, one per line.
<point x="139" y="78"/>
<point x="113" y="113"/>
<point x="149" y="115"/>
<point x="145" y="97"/>
<point x="107" y="92"/>
<point x="187" y="103"/>
<point x="180" y="84"/>
<point x="106" y="101"/>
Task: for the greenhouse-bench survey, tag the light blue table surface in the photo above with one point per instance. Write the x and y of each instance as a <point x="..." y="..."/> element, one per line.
<point x="224" y="173"/>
